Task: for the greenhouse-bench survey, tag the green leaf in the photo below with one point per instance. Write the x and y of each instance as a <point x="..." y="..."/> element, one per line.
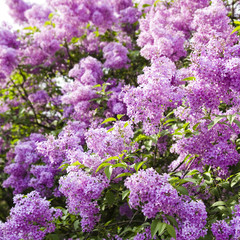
<point x="236" y="22"/>
<point x="162" y="228"/>
<point x="155" y="226"/>
<point x="77" y="163"/>
<point x="189" y="79"/>
<point x="237" y="122"/>
<point x="110" y="130"/>
<point x="193" y="172"/>
<point x="119" y="116"/>
<point x="127" y="174"/>
<point x="110" y="197"/>
<point x="172" y="220"/>
<point x="141" y="137"/>
<point x="109" y="120"/>
<point x="64" y="166"/>
<point x="235" y="30"/>
<point x="95" y="86"/>
<point x="146" y="5"/>
<point x="215" y="121"/>
<point x="195" y="126"/>
<point x="219" y="203"/>
<point x="102" y="165"/>
<point x="125" y="194"/>
<point x="126" y="124"/>
<point x="182" y="190"/>
<point x="76" y="224"/>
<point x="108" y="171"/>
<point x="122" y="165"/>
<point x="231" y="118"/>
<point x="138" y="165"/>
<point x="171" y="231"/>
<point x="235" y="180"/>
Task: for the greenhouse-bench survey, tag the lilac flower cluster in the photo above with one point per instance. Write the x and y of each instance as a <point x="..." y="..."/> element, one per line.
<point x="146" y="235"/>
<point x="82" y="190"/>
<point x="222" y="230"/>
<point x="165" y="29"/>
<point x="25" y="157"/>
<point x="8" y="52"/>
<point x="31" y="218"/>
<point x="17" y="9"/>
<point x="78" y="93"/>
<point x="155" y="94"/>
<point x="110" y="143"/>
<point x="154" y="194"/>
<point x="115" y="55"/>
<point x="210" y="146"/>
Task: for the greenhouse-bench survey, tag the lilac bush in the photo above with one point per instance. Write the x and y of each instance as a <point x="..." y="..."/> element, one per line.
<point x="120" y="119"/>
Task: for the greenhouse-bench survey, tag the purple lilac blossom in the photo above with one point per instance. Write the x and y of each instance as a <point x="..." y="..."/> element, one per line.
<point x="31" y="218"/>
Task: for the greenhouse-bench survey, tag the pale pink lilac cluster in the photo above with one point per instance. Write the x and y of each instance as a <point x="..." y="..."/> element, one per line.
<point x="165" y="29"/>
<point x="115" y="55"/>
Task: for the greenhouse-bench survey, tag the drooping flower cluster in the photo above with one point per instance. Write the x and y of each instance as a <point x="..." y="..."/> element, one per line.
<point x="31" y="218"/>
<point x="155" y="94"/>
<point x="25" y="157"/>
<point x="110" y="143"/>
<point x="222" y="230"/>
<point x="154" y="194"/>
<point x="115" y="55"/>
<point x="166" y="28"/>
<point x="82" y="190"/>
<point x="8" y="52"/>
<point x="87" y="74"/>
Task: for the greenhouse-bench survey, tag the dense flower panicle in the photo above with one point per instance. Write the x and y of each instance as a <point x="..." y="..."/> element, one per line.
<point x="192" y="220"/>
<point x="78" y="93"/>
<point x="56" y="149"/>
<point x="8" y="38"/>
<point x="37" y="15"/>
<point x="88" y="71"/>
<point x="149" y="190"/>
<point x="82" y="190"/>
<point x="25" y="157"/>
<point x="155" y="94"/>
<point x="17" y="9"/>
<point x="212" y="147"/>
<point x="221" y="230"/>
<point x="235" y="222"/>
<point x="110" y="143"/>
<point x="39" y="98"/>
<point x="166" y="28"/>
<point x="42" y="49"/>
<point x="153" y="194"/>
<point x="115" y="102"/>
<point x="9" y="46"/>
<point x="31" y="218"/>
<point x="115" y="55"/>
